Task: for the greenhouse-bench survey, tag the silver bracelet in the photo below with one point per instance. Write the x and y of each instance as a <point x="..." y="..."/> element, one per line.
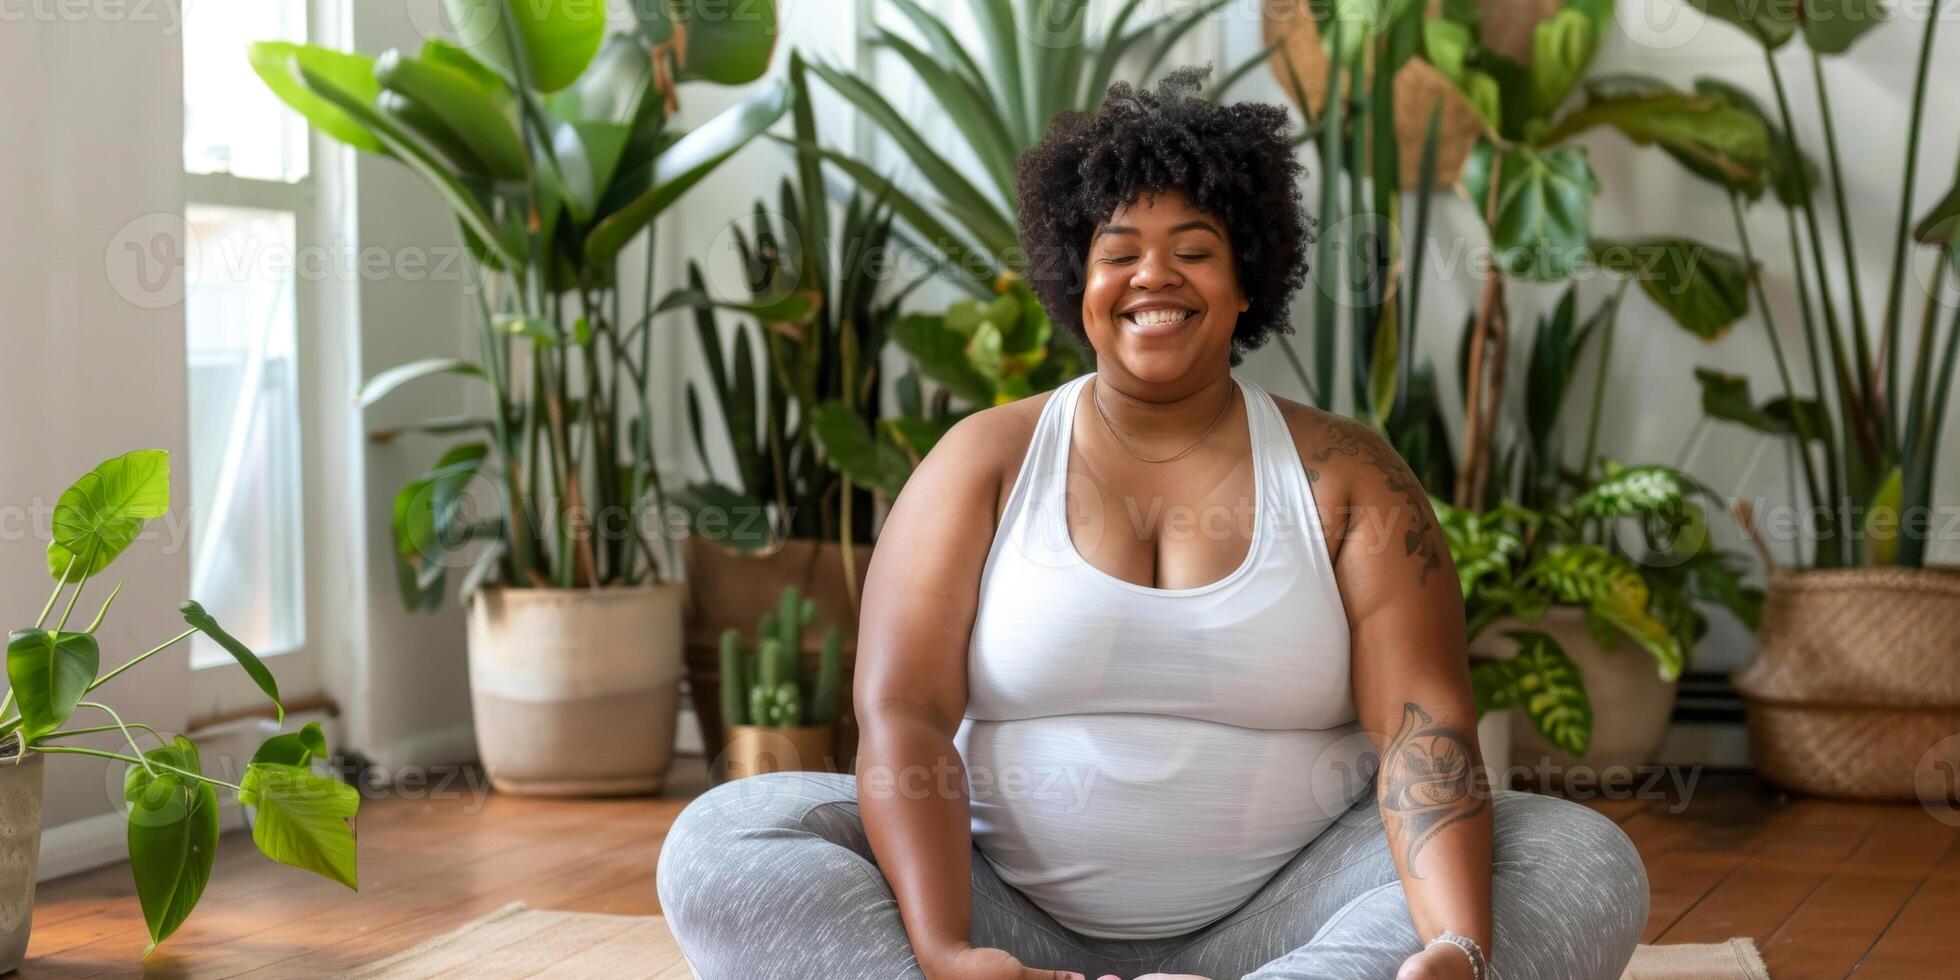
<point x="1480" y="968"/>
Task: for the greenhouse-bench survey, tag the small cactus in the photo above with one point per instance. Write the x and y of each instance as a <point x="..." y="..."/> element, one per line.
<point x="766" y="686"/>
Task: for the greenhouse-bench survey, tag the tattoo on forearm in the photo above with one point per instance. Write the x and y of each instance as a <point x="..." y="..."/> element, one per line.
<point x="1427" y="782"/>
<point x="1352" y="439"/>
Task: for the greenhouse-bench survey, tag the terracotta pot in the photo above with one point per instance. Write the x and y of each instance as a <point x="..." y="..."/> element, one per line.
<point x="576" y="691"/>
<point x="1854" y="690"/>
<point x="20" y="851"/>
<point x="756" y="749"/>
<point x="727" y="589"/>
<point x="1631" y="705"/>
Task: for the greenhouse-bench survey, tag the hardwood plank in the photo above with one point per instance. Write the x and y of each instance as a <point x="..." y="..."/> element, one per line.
<point x="1922" y="941"/>
<point x="1835" y="926"/>
<point x="1753" y="901"/>
<point x="1823" y="886"/>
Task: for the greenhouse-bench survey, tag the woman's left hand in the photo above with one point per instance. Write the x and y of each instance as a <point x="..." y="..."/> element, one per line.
<point x="1439" y="962"/>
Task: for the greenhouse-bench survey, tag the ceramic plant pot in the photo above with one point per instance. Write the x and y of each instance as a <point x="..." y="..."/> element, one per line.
<point x="576" y="691"/>
<point x="20" y="851"/>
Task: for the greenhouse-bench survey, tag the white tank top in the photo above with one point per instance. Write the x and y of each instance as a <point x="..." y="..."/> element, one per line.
<point x="1141" y="760"/>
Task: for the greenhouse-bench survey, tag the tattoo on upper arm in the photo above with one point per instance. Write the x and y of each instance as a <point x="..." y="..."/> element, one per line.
<point x="1351" y="439"/>
<point x="1427" y="782"/>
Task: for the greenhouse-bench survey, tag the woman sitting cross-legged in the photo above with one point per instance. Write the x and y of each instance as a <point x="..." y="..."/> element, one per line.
<point x="1157" y="673"/>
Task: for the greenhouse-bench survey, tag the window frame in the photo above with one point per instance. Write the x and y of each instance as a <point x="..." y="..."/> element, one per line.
<point x="221" y="689"/>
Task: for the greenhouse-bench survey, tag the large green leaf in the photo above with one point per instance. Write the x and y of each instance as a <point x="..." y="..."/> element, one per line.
<point x="1544" y="208"/>
<point x="683" y="164"/>
<point x="1716" y="134"/>
<point x="360" y="105"/>
<point x="1787" y="172"/>
<point x="303" y="820"/>
<point x="1705" y="289"/>
<point x="205" y="623"/>
<point x="557" y="38"/>
<point x="855" y="452"/>
<point x="173" y="836"/>
<point x="1770" y="22"/>
<point x="729" y="44"/>
<point x="725" y="516"/>
<point x="1726" y="396"/>
<point x="102" y="513"/>
<point x="941" y="355"/>
<point x="273" y="61"/>
<point x="49" y="673"/>
<point x="1551" y="692"/>
<point x="464" y="108"/>
<point x="1830" y="26"/>
<point x="429" y="509"/>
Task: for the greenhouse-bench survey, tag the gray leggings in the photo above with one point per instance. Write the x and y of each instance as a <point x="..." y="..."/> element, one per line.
<point x="772" y="876"/>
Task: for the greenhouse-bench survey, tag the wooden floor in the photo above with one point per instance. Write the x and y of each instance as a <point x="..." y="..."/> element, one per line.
<point x="1825" y="888"/>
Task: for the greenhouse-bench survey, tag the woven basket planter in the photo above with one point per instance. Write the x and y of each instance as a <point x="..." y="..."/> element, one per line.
<point x="1855" y="685"/>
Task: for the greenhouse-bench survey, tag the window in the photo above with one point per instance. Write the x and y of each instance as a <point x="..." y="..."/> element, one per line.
<point x="250" y="191"/>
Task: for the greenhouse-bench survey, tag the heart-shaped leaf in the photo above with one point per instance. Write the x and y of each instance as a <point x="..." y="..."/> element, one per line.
<point x="303" y="820"/>
<point x="49" y="673"/>
<point x="101" y="514"/>
<point x="173" y="836"/>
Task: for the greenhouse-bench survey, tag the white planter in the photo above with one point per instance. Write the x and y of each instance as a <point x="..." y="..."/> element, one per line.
<point x="1631" y="704"/>
<point x="20" y="852"/>
<point x="575" y="691"/>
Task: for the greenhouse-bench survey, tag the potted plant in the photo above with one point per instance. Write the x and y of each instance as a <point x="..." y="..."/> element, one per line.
<point x="553" y="141"/>
<point x="779" y="714"/>
<point x="298" y="818"/>
<point x="1551" y="595"/>
<point x="801" y="367"/>
<point x="1853" y="681"/>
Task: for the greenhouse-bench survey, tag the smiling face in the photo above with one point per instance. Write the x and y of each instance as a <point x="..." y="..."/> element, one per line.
<point x="1162" y="293"/>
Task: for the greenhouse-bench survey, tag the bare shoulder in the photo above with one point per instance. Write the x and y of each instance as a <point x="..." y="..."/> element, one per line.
<point x="1356" y="472"/>
<point x="1335" y="449"/>
<point x="982" y="453"/>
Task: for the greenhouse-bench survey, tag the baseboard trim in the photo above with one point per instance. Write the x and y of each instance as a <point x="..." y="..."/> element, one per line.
<point x="83" y="845"/>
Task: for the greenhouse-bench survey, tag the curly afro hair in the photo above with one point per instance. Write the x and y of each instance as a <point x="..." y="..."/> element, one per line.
<point x="1234" y="162"/>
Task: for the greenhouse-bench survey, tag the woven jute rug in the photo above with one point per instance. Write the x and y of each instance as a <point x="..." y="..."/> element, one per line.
<point x="519" y="941"/>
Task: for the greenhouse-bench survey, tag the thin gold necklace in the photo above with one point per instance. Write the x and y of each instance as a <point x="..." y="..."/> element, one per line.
<point x="1094" y="397"/>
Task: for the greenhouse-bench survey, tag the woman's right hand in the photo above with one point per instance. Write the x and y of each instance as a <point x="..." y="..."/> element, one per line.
<point x="986" y="963"/>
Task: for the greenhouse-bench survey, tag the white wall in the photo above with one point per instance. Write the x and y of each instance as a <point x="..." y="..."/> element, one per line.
<point x="90" y="151"/>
